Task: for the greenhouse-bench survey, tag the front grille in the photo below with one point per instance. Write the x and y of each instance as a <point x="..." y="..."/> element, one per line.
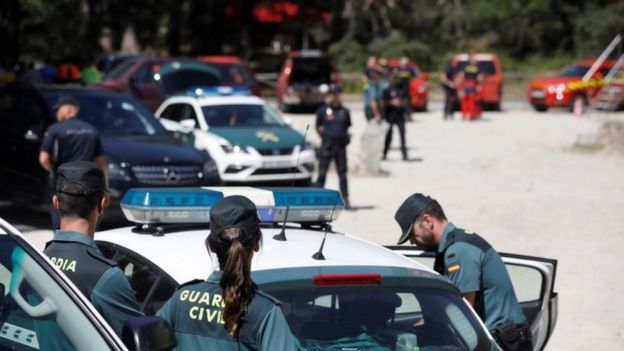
<point x="265" y="171"/>
<point x="276" y="151"/>
<point x="167" y="174"/>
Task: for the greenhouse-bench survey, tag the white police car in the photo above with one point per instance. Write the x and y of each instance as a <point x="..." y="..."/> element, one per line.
<point x="338" y="292"/>
<point x="39" y="306"/>
<point x="248" y="140"/>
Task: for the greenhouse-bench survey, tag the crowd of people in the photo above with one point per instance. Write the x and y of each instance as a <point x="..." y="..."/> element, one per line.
<point x="48" y="73"/>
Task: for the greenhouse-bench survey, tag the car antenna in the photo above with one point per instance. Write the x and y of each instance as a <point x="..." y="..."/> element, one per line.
<point x="319" y="254"/>
<point x="282" y="234"/>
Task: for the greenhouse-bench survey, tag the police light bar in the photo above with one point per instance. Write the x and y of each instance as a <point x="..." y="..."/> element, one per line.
<point x="218" y="91"/>
<point x="192" y="205"/>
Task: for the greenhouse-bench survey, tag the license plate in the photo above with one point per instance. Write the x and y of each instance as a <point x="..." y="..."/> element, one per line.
<point x="276" y="164"/>
<point x="537" y="94"/>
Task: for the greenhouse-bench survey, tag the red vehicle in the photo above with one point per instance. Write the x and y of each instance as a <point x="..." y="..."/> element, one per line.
<point x="419" y="96"/>
<point x="234" y="72"/>
<point x="491" y="92"/>
<point x="567" y="88"/>
<point x="304" y="79"/>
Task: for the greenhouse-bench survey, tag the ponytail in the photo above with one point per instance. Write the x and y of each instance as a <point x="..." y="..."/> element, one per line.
<point x="234" y="255"/>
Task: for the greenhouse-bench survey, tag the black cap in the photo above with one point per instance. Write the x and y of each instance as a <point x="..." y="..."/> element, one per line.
<point x="234" y="212"/>
<point x="66" y="100"/>
<point x="408" y="212"/>
<point x="335" y="89"/>
<point x="87" y="177"/>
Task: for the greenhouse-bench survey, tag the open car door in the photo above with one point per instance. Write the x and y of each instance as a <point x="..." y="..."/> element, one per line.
<point x="533" y="279"/>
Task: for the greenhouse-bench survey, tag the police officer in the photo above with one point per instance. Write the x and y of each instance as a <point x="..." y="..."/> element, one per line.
<point x="80" y="199"/>
<point x="227" y="311"/>
<point x="447" y="78"/>
<point x="70" y="139"/>
<point x="405" y="73"/>
<point x="471" y="264"/>
<point x="394" y="107"/>
<point x="332" y="124"/>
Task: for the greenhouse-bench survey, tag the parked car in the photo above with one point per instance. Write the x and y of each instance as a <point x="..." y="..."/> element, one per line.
<point x="234" y="72"/>
<point x="63" y="313"/>
<point x="567" y="88"/>
<point x="337" y="291"/>
<point x="491" y="93"/>
<point x="106" y="62"/>
<point x="249" y="141"/>
<point x="419" y="96"/>
<point x="138" y="149"/>
<point x="304" y="79"/>
<point x="152" y="79"/>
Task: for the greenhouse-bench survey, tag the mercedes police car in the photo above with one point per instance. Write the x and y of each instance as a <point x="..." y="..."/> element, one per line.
<point x="338" y="292"/>
<point x="39" y="304"/>
<point x="249" y="140"/>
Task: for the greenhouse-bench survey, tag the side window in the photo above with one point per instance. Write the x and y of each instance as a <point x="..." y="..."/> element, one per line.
<point x="143" y="74"/>
<point x="188" y="112"/>
<point x="152" y="287"/>
<point x="36" y="312"/>
<point x="173" y="112"/>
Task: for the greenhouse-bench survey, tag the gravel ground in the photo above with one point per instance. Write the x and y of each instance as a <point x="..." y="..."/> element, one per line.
<point x="515" y="178"/>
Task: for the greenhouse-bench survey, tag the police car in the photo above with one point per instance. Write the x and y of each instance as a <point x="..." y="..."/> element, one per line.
<point x="338" y="292"/>
<point x="39" y="305"/>
<point x="249" y="140"/>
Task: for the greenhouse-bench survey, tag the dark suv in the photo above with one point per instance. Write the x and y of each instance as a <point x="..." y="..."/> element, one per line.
<point x="139" y="151"/>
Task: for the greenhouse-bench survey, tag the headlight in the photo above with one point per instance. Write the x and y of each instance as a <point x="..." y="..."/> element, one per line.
<point x="228" y="149"/>
<point x="118" y="171"/>
<point x="210" y="167"/>
<point x="559" y="88"/>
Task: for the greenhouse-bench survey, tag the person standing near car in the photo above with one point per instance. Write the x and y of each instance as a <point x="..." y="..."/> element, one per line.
<point x="332" y="124"/>
<point x="372" y="94"/>
<point x="80" y="198"/>
<point x="447" y="78"/>
<point x="70" y="139"/>
<point x="471" y="264"/>
<point x="469" y="81"/>
<point x="394" y="107"/>
<point x="228" y="311"/>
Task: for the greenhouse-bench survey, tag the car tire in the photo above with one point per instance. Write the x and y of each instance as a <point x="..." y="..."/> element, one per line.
<point x="540" y="108"/>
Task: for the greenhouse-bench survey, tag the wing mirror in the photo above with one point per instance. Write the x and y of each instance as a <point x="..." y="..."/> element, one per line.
<point x="148" y="333"/>
<point x="287" y="120"/>
<point x="188" y="123"/>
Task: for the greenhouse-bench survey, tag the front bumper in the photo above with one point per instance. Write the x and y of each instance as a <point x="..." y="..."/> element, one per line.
<point x="541" y="97"/>
<point x="245" y="168"/>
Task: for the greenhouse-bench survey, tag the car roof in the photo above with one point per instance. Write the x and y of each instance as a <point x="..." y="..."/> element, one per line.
<point x="211" y="100"/>
<point x="481" y="56"/>
<point x="76" y="89"/>
<point x="184" y="256"/>
<point x="220" y="59"/>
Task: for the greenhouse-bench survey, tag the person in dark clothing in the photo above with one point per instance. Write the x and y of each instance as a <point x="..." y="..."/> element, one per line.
<point x="406" y="73"/>
<point x="70" y="139"/>
<point x="228" y="311"/>
<point x="394" y="107"/>
<point x="81" y="195"/>
<point x="332" y="124"/>
<point x="447" y="78"/>
<point x="471" y="264"/>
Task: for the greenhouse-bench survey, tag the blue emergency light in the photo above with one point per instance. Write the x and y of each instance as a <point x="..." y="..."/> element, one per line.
<point x="192" y="205"/>
<point x="218" y="91"/>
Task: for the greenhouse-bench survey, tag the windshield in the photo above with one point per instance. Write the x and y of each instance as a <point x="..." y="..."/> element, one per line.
<point x="580" y="71"/>
<point x="120" y="69"/>
<point x="113" y="114"/>
<point x="232" y="74"/>
<point x="241" y="116"/>
<point x="486" y="67"/>
<point x="180" y="80"/>
<point x="380" y="318"/>
<point x="311" y="70"/>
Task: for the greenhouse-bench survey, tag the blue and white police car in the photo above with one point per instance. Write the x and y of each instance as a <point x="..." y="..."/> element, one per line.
<point x="248" y="140"/>
<point x="338" y="292"/>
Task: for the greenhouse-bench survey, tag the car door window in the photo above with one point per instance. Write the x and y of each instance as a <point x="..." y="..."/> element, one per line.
<point x="173" y="112"/>
<point x="36" y="311"/>
<point x="144" y="74"/>
<point x="188" y="113"/>
<point x="152" y="287"/>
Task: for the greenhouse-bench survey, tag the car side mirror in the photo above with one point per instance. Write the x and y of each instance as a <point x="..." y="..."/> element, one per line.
<point x="287" y="120"/>
<point x="188" y="123"/>
<point x="148" y="333"/>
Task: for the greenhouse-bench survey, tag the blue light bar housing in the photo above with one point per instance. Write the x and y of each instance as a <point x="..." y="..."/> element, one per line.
<point x="218" y="91"/>
<point x="192" y="205"/>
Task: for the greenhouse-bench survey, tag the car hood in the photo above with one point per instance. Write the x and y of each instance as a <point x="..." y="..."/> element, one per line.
<point x="544" y="82"/>
<point x="147" y="150"/>
<point x="260" y="138"/>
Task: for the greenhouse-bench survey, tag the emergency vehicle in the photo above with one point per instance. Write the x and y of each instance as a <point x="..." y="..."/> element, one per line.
<point x="337" y="291"/>
<point x="248" y="140"/>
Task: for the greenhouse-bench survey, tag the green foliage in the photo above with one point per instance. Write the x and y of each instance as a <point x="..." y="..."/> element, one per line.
<point x="595" y="28"/>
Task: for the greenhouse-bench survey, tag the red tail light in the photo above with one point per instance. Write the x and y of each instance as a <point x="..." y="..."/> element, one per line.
<point x="348" y="279"/>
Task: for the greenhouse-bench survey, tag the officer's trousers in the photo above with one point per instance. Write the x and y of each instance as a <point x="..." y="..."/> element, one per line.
<point x="449" y="102"/>
<point x="338" y="152"/>
<point x="399" y="122"/>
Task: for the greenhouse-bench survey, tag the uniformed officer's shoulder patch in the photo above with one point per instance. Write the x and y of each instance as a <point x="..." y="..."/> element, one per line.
<point x="95" y="253"/>
<point x="190" y="282"/>
<point x="453" y="267"/>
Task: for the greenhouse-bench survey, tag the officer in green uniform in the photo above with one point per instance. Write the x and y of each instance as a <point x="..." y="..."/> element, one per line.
<point x="227" y="311"/>
<point x="80" y="198"/>
<point x="471" y="264"/>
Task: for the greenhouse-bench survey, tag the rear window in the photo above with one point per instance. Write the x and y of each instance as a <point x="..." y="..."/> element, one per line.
<point x="380" y="318"/>
<point x="487" y="67"/>
<point x="311" y="70"/>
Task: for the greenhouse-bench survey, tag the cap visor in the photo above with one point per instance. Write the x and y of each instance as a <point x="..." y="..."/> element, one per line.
<point x="405" y="236"/>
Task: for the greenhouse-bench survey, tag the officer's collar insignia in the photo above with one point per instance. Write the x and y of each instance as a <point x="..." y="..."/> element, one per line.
<point x="453" y="268"/>
<point x="267" y="136"/>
